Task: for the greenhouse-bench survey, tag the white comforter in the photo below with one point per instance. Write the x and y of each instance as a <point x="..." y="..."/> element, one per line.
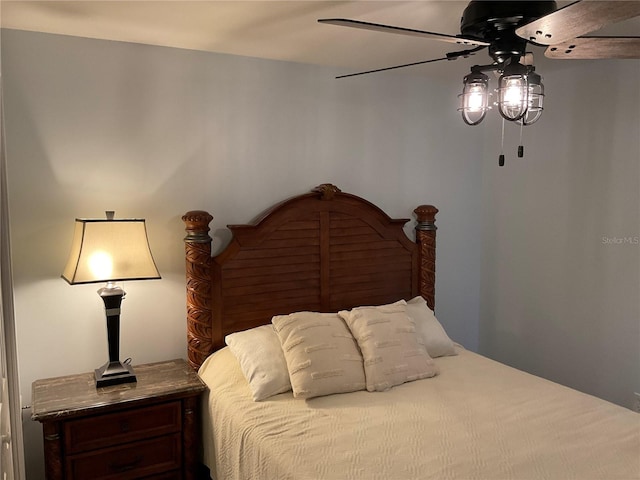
<point x="478" y="419"/>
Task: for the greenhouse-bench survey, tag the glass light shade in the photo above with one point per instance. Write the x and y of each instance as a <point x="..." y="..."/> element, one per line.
<point x="474" y="99"/>
<point x="513" y="92"/>
<point x="535" y="99"/>
<point x="512" y="97"/>
<point x="109" y="251"/>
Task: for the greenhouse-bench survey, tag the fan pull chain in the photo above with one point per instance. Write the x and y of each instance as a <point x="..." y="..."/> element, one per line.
<point x="501" y="157"/>
<point x="521" y="147"/>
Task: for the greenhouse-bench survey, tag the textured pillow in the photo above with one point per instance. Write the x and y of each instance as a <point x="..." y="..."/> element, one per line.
<point x="261" y="360"/>
<point x="392" y="350"/>
<point x="322" y="355"/>
<point x="435" y="338"/>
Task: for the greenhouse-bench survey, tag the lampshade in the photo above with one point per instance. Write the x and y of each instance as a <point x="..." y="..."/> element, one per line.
<point x="107" y="250"/>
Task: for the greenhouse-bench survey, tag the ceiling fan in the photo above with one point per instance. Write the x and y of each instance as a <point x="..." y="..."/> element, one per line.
<point x="505" y="28"/>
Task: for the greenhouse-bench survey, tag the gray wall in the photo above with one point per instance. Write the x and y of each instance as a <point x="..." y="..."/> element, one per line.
<point x="561" y="230"/>
<point x="153" y="132"/>
<point x="524" y="272"/>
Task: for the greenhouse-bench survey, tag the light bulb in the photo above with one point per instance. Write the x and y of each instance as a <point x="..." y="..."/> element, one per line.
<point x="101" y="264"/>
<point x="475" y="99"/>
<point x="514" y="92"/>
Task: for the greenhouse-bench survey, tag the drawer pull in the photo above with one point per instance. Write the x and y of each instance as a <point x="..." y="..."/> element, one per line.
<point x="124" y="426"/>
<point x="115" y="467"/>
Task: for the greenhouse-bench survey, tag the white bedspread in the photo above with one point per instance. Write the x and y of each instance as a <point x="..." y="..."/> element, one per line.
<point x="478" y="419"/>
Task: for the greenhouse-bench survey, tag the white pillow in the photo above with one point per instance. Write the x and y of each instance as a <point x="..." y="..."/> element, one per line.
<point x="322" y="356"/>
<point x="392" y="349"/>
<point x="435" y="338"/>
<point x="261" y="360"/>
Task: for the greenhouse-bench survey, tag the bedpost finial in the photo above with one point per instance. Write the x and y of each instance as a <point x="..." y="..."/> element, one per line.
<point x="426" y="215"/>
<point x="197" y="226"/>
<point x="327" y="191"/>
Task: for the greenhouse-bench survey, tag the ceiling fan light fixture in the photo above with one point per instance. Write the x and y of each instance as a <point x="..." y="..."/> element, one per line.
<point x="535" y="98"/>
<point x="513" y="92"/>
<point x="506" y="28"/>
<point x="474" y="99"/>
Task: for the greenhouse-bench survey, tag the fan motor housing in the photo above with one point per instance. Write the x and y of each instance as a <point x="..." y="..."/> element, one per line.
<point x="495" y="22"/>
<point x="482" y="19"/>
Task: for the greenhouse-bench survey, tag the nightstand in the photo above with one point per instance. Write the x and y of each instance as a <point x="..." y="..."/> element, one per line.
<point x="148" y="429"/>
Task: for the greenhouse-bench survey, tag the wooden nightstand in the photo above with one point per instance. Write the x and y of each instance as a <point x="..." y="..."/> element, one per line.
<point x="148" y="429"/>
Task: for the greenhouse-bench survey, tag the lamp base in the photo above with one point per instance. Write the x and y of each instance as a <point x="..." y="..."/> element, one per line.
<point x="114" y="373"/>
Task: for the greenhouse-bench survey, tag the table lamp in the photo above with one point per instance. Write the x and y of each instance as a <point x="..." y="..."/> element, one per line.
<point x="110" y="250"/>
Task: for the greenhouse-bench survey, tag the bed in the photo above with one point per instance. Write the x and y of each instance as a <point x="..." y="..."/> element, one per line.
<point x="291" y="327"/>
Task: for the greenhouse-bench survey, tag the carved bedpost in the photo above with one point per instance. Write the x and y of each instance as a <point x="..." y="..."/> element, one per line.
<point x="426" y="240"/>
<point x="198" y="260"/>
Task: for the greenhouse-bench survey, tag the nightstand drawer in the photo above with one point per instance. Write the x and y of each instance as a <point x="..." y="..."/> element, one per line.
<point x="134" y="460"/>
<point x="126" y="426"/>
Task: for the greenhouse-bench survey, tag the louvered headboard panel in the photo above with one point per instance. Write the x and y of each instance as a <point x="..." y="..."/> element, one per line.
<point x="322" y="251"/>
<point x="369" y="264"/>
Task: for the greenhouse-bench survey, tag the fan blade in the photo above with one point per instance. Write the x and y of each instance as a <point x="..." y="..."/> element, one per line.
<point x="591" y="48"/>
<point x="577" y="19"/>
<point x="392" y="68"/>
<point x="450" y="56"/>
<point x="343" y="22"/>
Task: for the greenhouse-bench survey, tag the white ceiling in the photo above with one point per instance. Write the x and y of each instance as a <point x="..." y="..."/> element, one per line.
<point x="278" y="30"/>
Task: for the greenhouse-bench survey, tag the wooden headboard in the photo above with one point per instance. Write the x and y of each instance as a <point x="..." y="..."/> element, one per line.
<point x="322" y="251"/>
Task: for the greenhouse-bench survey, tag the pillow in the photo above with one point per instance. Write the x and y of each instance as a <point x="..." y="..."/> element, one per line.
<point x="390" y="345"/>
<point x="322" y="355"/>
<point x="261" y="361"/>
<point x="435" y="338"/>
